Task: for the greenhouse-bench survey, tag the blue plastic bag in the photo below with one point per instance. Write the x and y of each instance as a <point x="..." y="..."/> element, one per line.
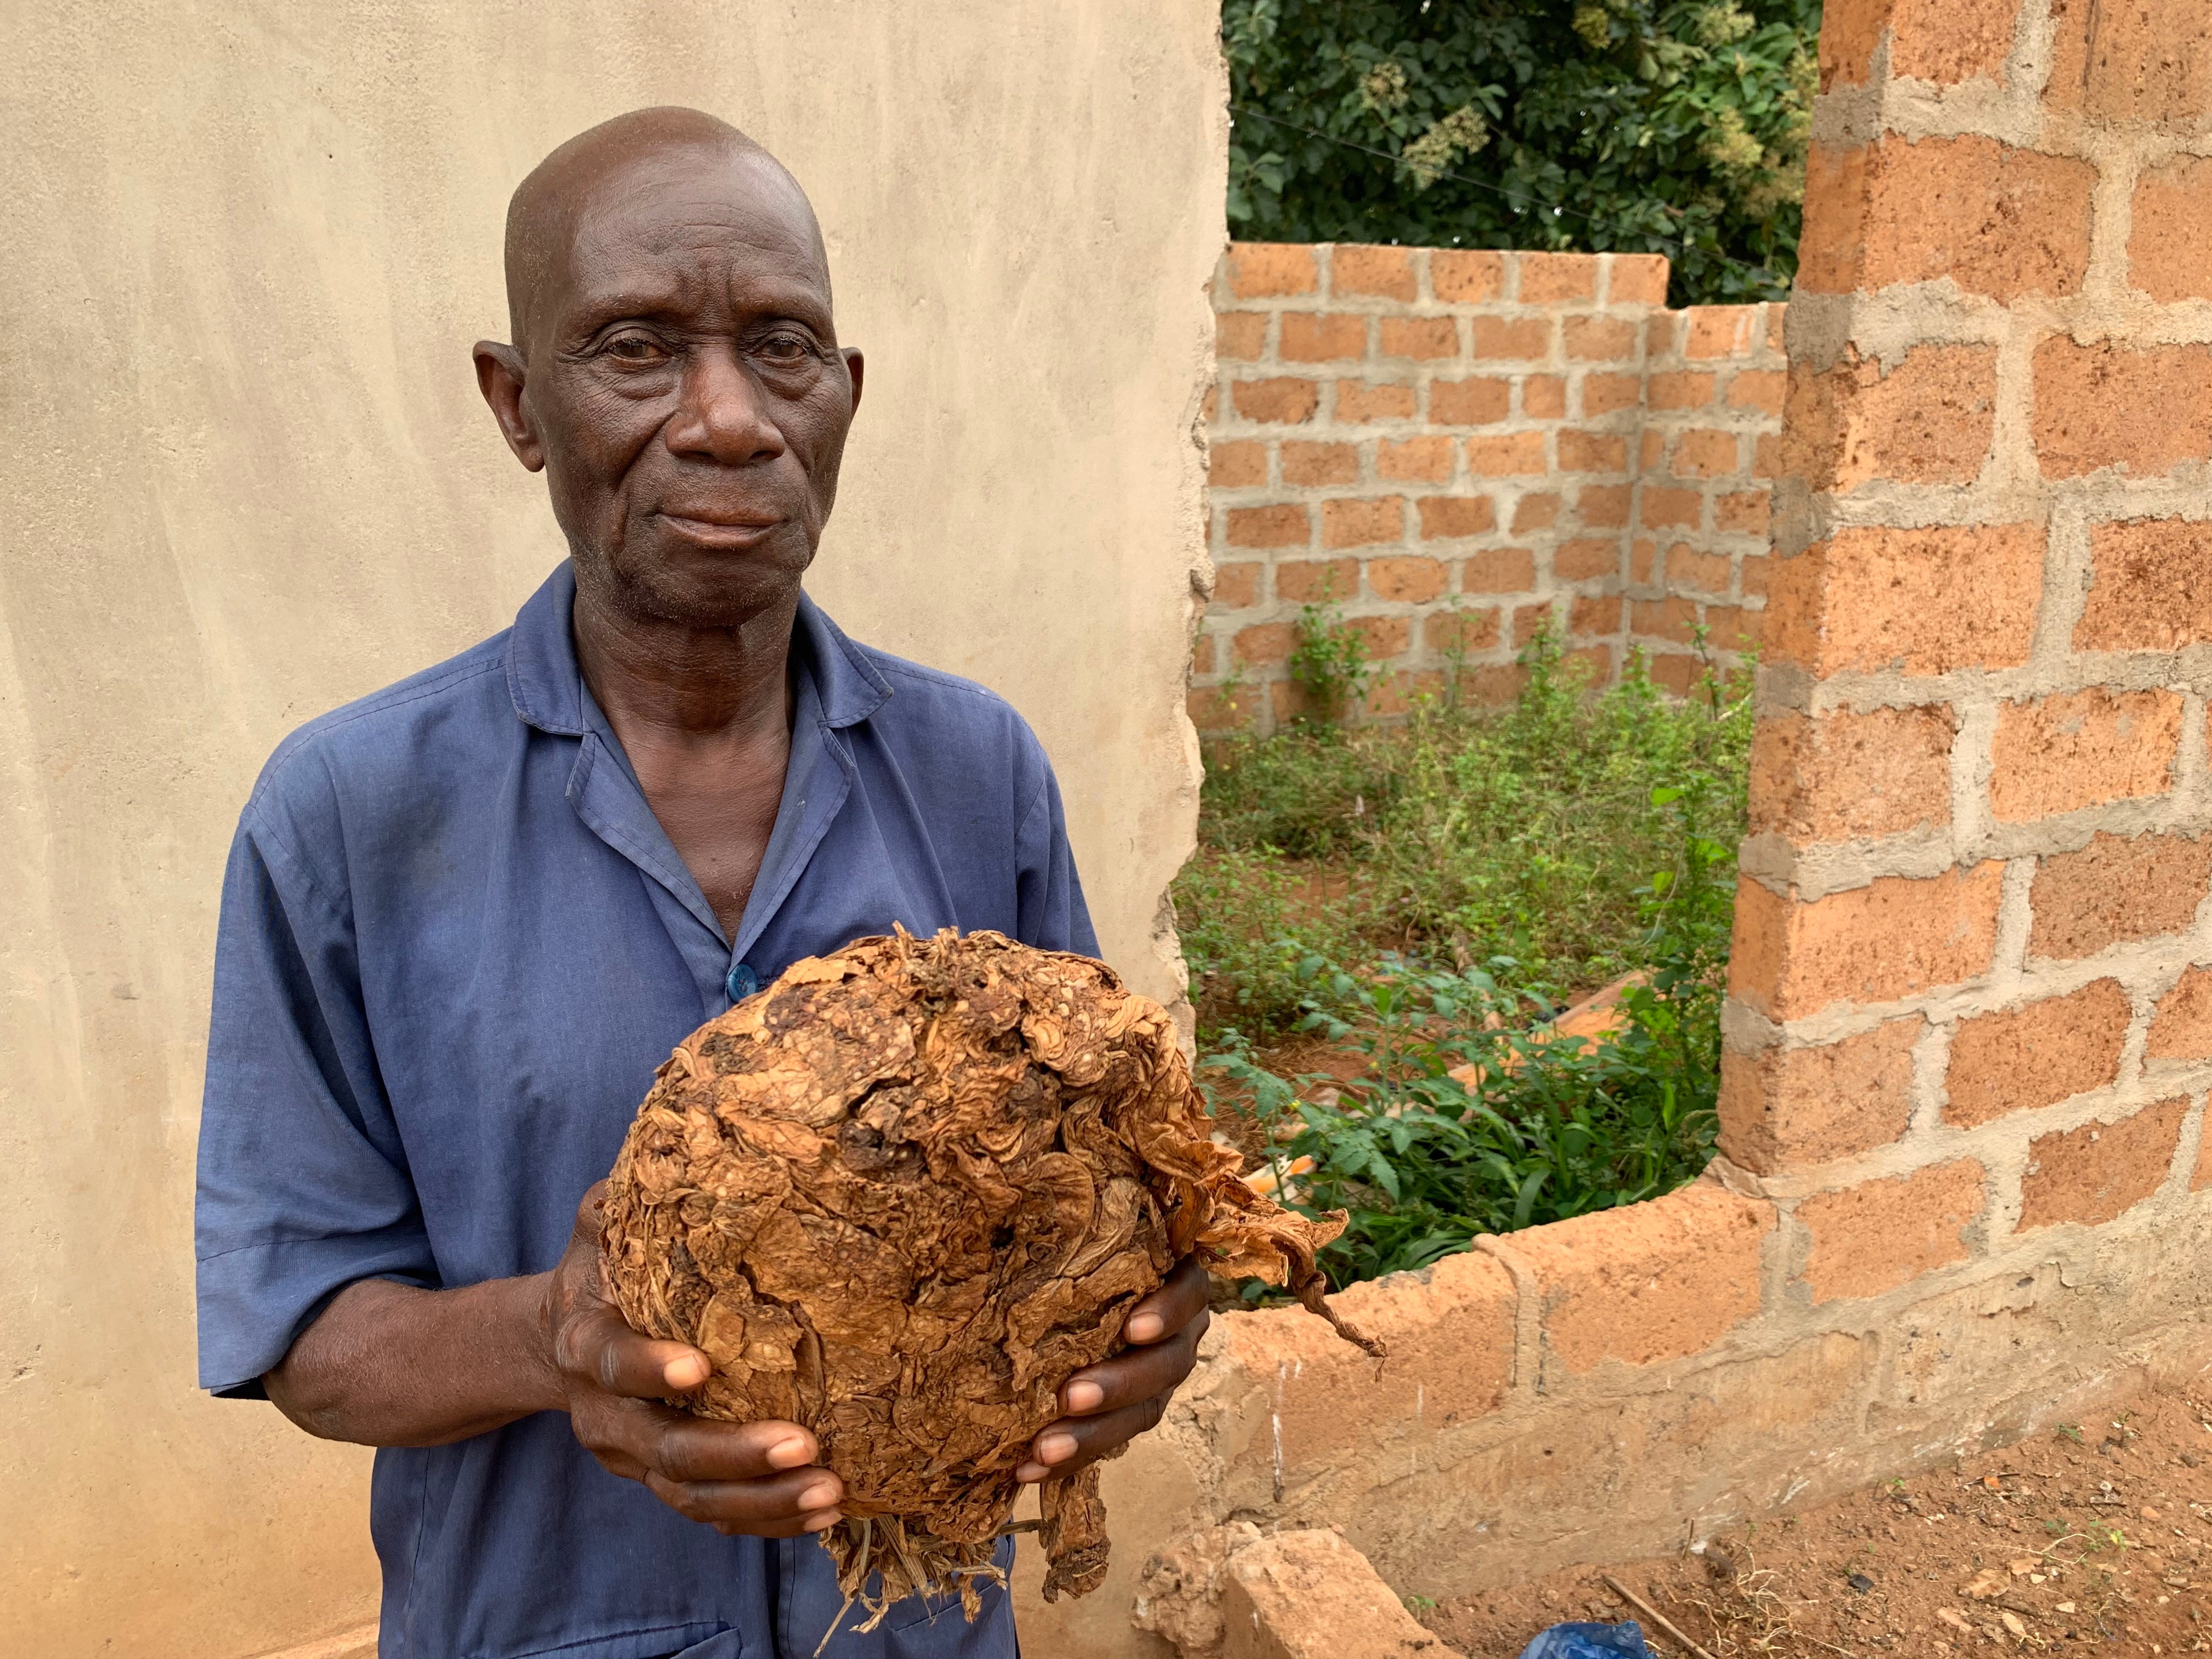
<point x="1590" y="1642"/>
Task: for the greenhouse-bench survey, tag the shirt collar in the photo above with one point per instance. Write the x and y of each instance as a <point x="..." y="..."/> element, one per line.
<point x="548" y="686"/>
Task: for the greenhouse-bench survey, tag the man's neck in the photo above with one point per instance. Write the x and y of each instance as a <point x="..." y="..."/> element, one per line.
<point x="674" y="682"/>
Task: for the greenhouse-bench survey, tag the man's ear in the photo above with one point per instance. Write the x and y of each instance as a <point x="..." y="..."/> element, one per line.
<point x="854" y="366"/>
<point x="499" y="375"/>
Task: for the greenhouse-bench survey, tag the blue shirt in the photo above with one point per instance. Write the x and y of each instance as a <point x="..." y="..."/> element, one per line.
<point x="455" y="945"/>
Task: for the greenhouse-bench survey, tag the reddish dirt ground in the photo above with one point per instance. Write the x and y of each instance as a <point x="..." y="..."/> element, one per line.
<point x="2097" y="1537"/>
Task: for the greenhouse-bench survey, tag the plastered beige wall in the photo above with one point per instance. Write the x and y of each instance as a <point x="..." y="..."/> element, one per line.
<point x="245" y="248"/>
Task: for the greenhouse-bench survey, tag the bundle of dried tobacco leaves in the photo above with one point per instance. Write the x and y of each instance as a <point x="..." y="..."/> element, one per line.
<point x="898" y="1196"/>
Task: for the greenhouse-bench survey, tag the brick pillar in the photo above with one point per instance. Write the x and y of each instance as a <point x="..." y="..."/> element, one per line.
<point x="1967" y="1002"/>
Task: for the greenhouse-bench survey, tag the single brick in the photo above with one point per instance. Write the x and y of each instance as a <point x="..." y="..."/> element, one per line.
<point x="2020" y="1059"/>
<point x="1469" y="402"/>
<point x="1241" y="336"/>
<point x="1705" y="452"/>
<point x="1592" y="614"/>
<point x="1548" y="278"/>
<point x="1461" y="278"/>
<point x="1586" y="559"/>
<point x="1946" y="41"/>
<point x="1766" y="456"/>
<point x="1792" y="1108"/>
<point x="1384" y="273"/>
<point x="1840" y="776"/>
<point x="1319" y="464"/>
<point x="1508" y="570"/>
<point x="1928" y="601"/>
<point x="1651" y="451"/>
<point x="1928" y="421"/>
<point x="2100" y="1170"/>
<point x="1700" y="572"/>
<point x="1215" y="708"/>
<point x="1751" y="574"/>
<point x="1458" y="631"/>
<point x="1278" y="403"/>
<point x="1235" y="587"/>
<point x="1881" y="1234"/>
<point x="1306" y="1594"/>
<point x="1385" y="637"/>
<point x="1358" y="401"/>
<point x="1662" y="334"/>
<point x="1604" y="394"/>
<point x="1897" y="937"/>
<point x="1398" y="690"/>
<point x="1593" y="451"/>
<point x="1306" y="581"/>
<point x="1202" y="654"/>
<point x="1429" y="458"/>
<point x="1592" y="664"/>
<point x="1653" y="1281"/>
<point x="2114" y="890"/>
<point x="2150" y="585"/>
<point x="1263" y="644"/>
<point x="1733" y="628"/>
<point x="1672" y="618"/>
<point x="1491" y="685"/>
<point x="2060" y="753"/>
<point x="1506" y="455"/>
<point x="2144" y="411"/>
<point x="1746" y="512"/>
<point x="1679" y="389"/>
<point x="1530" y="619"/>
<point x="1636" y="279"/>
<point x="1665" y="509"/>
<point x="2129" y="60"/>
<point x="1444" y="518"/>
<point x="1266" y="270"/>
<point x="1994" y="220"/>
<point x="1599" y="340"/>
<point x="1544" y="396"/>
<point x="2170" y="229"/>
<point x="1677" y="671"/>
<point x="1410" y="579"/>
<point x="1363" y="523"/>
<point x="1602" y="507"/>
<point x="1528" y="337"/>
<point x="1536" y="513"/>
<point x="1286" y="525"/>
<point x="1236" y="465"/>
<point x="2181" y="1027"/>
<point x="1321" y="337"/>
<point x="1420" y="338"/>
<point x="1762" y="389"/>
<point x="1720" y="330"/>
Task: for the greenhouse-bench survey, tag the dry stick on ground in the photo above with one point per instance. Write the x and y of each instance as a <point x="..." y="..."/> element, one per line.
<point x="1654" y="1615"/>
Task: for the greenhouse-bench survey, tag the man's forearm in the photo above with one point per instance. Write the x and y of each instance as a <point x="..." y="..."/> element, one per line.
<point x="388" y="1365"/>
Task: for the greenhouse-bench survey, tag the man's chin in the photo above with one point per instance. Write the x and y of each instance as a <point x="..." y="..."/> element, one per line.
<point x="673" y="580"/>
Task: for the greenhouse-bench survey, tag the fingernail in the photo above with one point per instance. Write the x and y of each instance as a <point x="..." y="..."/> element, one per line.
<point x="1085" y="1396"/>
<point x="1146" y="1327"/>
<point x="823" y="1522"/>
<point x="1055" y="1448"/>
<point x="819" y="1496"/>
<point x="687" y="1372"/>
<point x="790" y="1454"/>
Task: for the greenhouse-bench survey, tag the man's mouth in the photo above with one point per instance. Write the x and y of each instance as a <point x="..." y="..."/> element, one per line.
<point x="718" y="527"/>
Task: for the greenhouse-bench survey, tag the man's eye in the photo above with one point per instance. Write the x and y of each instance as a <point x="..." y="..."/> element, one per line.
<point x="635" y="349"/>
<point x="786" y="347"/>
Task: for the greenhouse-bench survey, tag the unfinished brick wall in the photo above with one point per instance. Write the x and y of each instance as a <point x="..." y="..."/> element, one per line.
<point x="1963" y="1192"/>
<point x="1456" y="445"/>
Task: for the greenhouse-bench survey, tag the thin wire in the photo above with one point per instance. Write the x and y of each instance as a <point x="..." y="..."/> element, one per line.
<point x="1526" y="203"/>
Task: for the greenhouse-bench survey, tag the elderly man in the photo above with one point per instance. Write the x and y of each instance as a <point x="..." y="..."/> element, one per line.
<point x="466" y="917"/>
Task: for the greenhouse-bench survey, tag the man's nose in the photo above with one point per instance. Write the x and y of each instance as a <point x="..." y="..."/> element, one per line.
<point x="724" y="414"/>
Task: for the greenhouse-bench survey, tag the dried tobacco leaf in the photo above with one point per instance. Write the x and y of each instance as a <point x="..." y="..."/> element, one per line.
<point x="898" y="1197"/>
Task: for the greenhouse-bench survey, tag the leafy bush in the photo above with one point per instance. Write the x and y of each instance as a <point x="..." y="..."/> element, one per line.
<point x="1661" y="126"/>
<point x="1542" y="1128"/>
<point x="1330" y="660"/>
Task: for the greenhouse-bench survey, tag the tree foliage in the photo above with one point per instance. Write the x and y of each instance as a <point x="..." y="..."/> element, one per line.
<point x="1644" y="126"/>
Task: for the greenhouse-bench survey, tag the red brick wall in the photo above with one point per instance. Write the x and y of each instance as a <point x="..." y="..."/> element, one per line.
<point x="1456" y="445"/>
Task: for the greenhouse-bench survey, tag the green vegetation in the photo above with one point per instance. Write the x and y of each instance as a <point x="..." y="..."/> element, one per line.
<point x="1426" y="896"/>
<point x="1659" y="126"/>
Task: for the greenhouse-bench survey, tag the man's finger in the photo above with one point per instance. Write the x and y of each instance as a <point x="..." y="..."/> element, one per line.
<point x="694" y="1449"/>
<point x="596" y="1344"/>
<point x="1068" y="1444"/>
<point x="1181" y="1299"/>
<point x="1135" y="1374"/>
<point x="780" y="1506"/>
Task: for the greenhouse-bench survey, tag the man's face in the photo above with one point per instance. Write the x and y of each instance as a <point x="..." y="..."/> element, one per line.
<point x="684" y="387"/>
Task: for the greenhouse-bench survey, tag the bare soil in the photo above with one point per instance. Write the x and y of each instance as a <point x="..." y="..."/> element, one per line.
<point x="2097" y="1537"/>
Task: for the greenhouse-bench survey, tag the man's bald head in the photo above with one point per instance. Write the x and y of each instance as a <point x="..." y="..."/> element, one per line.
<point x="544" y="215"/>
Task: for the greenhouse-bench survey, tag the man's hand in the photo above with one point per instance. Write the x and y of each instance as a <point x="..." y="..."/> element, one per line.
<point x="751" y="1478"/>
<point x="1110" y="1404"/>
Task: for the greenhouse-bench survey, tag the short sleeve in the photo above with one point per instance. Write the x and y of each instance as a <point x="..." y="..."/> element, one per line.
<point x="303" y="1186"/>
<point x="1048" y="895"/>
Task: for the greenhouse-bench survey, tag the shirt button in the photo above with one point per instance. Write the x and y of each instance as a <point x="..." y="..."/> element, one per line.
<point x="742" y="982"/>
